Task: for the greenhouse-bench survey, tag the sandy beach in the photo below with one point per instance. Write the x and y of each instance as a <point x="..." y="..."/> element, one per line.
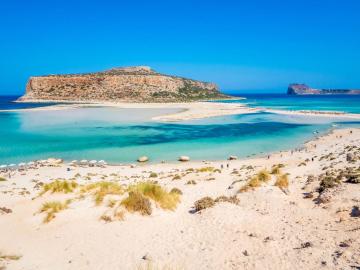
<point x="310" y="222"/>
<point x="189" y="111"/>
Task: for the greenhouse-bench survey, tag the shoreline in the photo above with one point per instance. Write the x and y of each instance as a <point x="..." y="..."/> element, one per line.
<point x="299" y="230"/>
<point x="175" y="161"/>
<point x="189" y="110"/>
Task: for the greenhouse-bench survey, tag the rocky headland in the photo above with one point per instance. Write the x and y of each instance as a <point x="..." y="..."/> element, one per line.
<point x="129" y="84"/>
<point x="303" y="89"/>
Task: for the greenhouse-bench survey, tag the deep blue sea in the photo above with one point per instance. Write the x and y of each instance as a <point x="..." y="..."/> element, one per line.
<point x="121" y="135"/>
<point x="340" y="103"/>
<point x="7" y="103"/>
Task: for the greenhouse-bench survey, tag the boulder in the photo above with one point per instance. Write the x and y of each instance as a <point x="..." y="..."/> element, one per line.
<point x="184" y="158"/>
<point x="233" y="158"/>
<point x="143" y="159"/>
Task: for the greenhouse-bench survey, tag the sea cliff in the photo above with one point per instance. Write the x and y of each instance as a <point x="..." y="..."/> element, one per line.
<point x="129" y="84"/>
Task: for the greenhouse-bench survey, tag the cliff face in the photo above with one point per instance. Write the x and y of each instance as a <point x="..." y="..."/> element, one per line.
<point x="303" y="89"/>
<point x="133" y="84"/>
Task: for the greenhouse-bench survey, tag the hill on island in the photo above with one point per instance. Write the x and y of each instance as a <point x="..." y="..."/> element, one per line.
<point x="129" y="84"/>
<point x="303" y="89"/>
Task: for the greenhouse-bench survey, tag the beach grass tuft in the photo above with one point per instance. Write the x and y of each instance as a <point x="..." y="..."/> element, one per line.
<point x="282" y="181"/>
<point x="151" y="190"/>
<point x="53" y="207"/>
<point x="59" y="186"/>
<point x="9" y="257"/>
<point x="263" y="175"/>
<point x="106" y="218"/>
<point x="205" y="169"/>
<point x="2" y="179"/>
<point x="275" y="170"/>
<point x="101" y="189"/>
<point x="137" y="202"/>
<point x="257" y="180"/>
<point x="230" y="199"/>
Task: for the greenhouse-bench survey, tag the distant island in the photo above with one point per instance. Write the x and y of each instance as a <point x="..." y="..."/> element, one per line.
<point x="126" y="84"/>
<point x="303" y="89"/>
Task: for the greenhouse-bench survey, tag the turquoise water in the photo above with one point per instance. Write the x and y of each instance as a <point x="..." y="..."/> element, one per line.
<point x="341" y="103"/>
<point x="122" y="135"/>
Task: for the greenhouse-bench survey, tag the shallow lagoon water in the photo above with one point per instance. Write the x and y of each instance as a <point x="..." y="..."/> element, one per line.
<point x="122" y="135"/>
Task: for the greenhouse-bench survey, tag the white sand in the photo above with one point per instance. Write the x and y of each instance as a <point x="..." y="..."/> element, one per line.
<point x="191" y="110"/>
<point x="265" y="231"/>
<point x="315" y="113"/>
<point x="187" y="111"/>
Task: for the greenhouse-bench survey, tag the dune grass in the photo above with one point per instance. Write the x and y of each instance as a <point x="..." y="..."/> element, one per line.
<point x="254" y="182"/>
<point x="59" y="186"/>
<point x="106" y="218"/>
<point x="2" y="179"/>
<point x="257" y="180"/>
<point x="282" y="181"/>
<point x="119" y="214"/>
<point x="151" y="190"/>
<point x="205" y="169"/>
<point x="230" y="199"/>
<point x="275" y="170"/>
<point x="9" y="257"/>
<point x="101" y="189"/>
<point x="263" y="175"/>
<point x="137" y="202"/>
<point x="53" y="207"/>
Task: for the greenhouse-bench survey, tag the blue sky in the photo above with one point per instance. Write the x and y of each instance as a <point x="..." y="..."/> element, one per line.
<point x="240" y="45"/>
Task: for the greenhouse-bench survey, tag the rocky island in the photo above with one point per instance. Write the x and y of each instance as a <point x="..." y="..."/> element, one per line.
<point x="303" y="89"/>
<point x="128" y="84"/>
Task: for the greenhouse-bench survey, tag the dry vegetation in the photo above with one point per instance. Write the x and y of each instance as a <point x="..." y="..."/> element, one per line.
<point x="53" y="207"/>
<point x="137" y="202"/>
<point x="282" y="181"/>
<point x="9" y="257"/>
<point x="208" y="202"/>
<point x="257" y="180"/>
<point x="101" y="189"/>
<point x="59" y="186"/>
<point x="206" y="169"/>
<point x="166" y="200"/>
<point x="204" y="203"/>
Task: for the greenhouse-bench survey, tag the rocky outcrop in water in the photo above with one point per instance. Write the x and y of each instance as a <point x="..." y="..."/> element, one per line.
<point x="303" y="89"/>
<point x="131" y="84"/>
